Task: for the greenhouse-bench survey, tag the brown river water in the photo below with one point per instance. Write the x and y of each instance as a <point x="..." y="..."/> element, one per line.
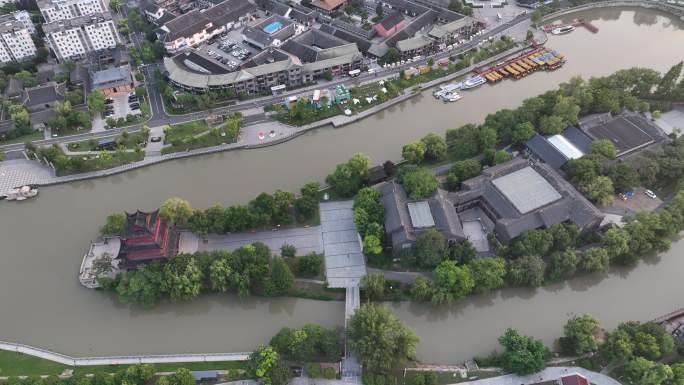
<point x="42" y="241"/>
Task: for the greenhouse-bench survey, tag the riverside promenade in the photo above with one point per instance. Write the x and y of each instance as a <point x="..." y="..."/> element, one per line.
<point x="547" y="375"/>
<point x="120" y="360"/>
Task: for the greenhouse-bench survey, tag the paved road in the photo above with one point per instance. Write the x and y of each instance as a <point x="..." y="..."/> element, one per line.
<point x="548" y="374"/>
<point x="161" y="117"/>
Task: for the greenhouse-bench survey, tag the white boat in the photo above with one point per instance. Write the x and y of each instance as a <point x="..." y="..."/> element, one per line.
<point x="21" y="193"/>
<point x="563" y="30"/>
<point x="473" y="82"/>
<point x="445" y="89"/>
<point x="451" y="97"/>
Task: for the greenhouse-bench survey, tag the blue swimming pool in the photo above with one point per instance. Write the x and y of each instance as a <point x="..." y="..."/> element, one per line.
<point x="273" y="27"/>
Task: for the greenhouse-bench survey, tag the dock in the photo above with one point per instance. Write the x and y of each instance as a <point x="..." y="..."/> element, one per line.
<point x="575" y="23"/>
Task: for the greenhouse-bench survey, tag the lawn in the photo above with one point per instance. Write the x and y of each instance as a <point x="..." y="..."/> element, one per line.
<point x="130" y="142"/>
<point x="35" y="135"/>
<point x="197" y="134"/>
<point x="16" y="364"/>
<point x="79" y="164"/>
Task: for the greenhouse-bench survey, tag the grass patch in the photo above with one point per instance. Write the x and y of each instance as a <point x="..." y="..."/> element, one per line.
<point x="35" y="135"/>
<point x="18" y="364"/>
<point x="79" y="164"/>
<point x="197" y="134"/>
<point x="69" y="131"/>
<point x="444" y="378"/>
<point x="315" y="291"/>
<point x="129" y="142"/>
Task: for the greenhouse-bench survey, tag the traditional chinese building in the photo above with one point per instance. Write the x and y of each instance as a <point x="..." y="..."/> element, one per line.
<point x="147" y="237"/>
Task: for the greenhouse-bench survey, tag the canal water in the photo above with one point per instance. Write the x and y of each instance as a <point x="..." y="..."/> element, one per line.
<point x="42" y="241"/>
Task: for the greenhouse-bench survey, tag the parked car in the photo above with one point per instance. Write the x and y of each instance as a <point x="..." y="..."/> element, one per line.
<point x="132" y="99"/>
<point x="650" y="194"/>
<point x="135" y="106"/>
<point x="109" y="101"/>
<point x="155" y="139"/>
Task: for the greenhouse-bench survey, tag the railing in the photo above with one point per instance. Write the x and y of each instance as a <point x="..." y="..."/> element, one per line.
<point x="120" y="360"/>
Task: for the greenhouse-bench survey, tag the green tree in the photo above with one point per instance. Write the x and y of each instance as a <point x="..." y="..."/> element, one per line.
<point x="463" y="142"/>
<point x="580" y="335"/>
<point x="562" y="265"/>
<point x="460" y="171"/>
<point x="526" y="271"/>
<point x="599" y="190"/>
<point x="414" y="152"/>
<point x="266" y="366"/>
<point x="419" y="183"/>
<point x="348" y="177"/>
<point x="624" y="176"/>
<point x="114" y="225"/>
<point x="220" y="275"/>
<point x="374" y="286"/>
<point x="372" y="245"/>
<point x="379" y="338"/>
<point x="666" y="87"/>
<point x="551" y="124"/>
<point x="281" y="279"/>
<point x="142" y="285"/>
<point x="532" y="242"/>
<point x="288" y="251"/>
<point x="421" y="290"/>
<point x="310" y="265"/>
<point x="536" y="17"/>
<point x="431" y="247"/>
<point x="488" y="273"/>
<point x="96" y="102"/>
<point x="603" y="147"/>
<point x="522" y="355"/>
<point x="435" y="147"/>
<point x="182" y="278"/>
<point x="452" y="282"/>
<point x="595" y="260"/>
<point x="175" y="210"/>
<point x="644" y="372"/>
<point x="521" y="133"/>
<point x="487" y="138"/>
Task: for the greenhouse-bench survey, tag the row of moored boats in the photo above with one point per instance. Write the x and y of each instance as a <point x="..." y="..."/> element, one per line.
<point x="449" y="92"/>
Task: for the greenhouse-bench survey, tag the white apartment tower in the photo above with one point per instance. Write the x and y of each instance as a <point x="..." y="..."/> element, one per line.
<point x="56" y="10"/>
<point x="74" y="38"/>
<point x="15" y="39"/>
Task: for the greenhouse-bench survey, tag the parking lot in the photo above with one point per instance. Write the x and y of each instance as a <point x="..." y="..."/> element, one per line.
<point x="637" y="202"/>
<point x="121" y="107"/>
<point x="229" y="49"/>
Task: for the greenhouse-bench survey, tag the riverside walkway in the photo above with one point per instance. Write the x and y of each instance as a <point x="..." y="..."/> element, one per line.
<point x="120" y="360"/>
<point x="545" y="376"/>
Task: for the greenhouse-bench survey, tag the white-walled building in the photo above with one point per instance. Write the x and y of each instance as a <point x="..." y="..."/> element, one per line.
<point x="56" y="10"/>
<point x="74" y="38"/>
<point x="16" y="43"/>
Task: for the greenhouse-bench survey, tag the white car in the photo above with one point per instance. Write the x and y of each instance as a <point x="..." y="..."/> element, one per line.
<point x="650" y="194"/>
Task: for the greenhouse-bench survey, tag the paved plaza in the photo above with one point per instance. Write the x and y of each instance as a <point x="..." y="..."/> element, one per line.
<point x="344" y="262"/>
<point x="305" y="239"/>
<point x="20" y="172"/>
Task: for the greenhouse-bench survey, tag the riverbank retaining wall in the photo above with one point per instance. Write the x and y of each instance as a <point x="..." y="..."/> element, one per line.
<point x="672" y="9"/>
<point x="120" y="360"/>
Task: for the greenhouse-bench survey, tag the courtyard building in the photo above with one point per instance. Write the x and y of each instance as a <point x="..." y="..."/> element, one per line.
<point x="113" y="81"/>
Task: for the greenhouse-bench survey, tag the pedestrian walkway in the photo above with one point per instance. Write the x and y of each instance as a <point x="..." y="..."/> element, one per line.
<point x="548" y="374"/>
<point x="304" y="239"/>
<point x="121" y="360"/>
<point x="344" y="261"/>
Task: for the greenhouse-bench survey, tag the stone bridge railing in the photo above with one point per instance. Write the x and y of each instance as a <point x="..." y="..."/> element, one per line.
<point x="674" y="9"/>
<point x="120" y="360"/>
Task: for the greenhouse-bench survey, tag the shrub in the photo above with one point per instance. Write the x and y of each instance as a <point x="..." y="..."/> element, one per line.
<point x="288" y="251"/>
<point x="329" y="373"/>
<point x="314" y="370"/>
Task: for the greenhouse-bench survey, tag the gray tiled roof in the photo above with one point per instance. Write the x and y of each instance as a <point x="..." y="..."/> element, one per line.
<point x="542" y="149"/>
<point x="219" y="15"/>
